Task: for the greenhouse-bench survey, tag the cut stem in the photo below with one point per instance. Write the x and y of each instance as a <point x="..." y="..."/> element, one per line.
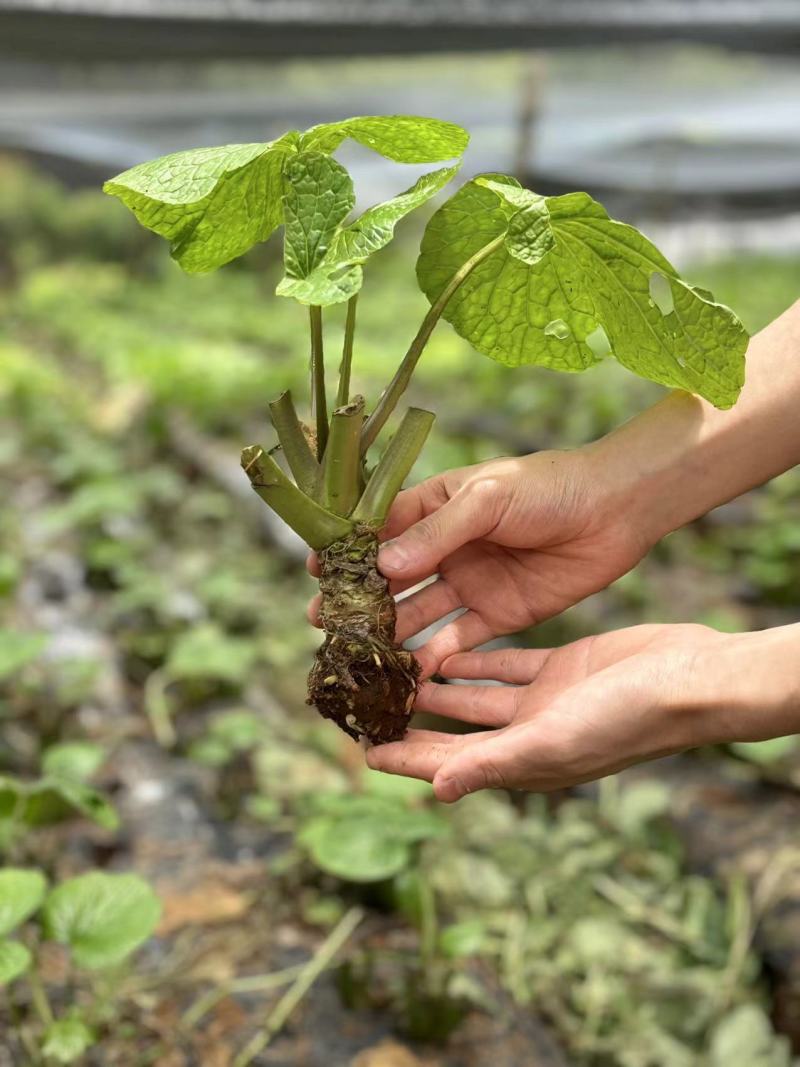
<point x="296" y="448"/>
<point x="343" y="394"/>
<point x="393" y="468"/>
<point x="342" y="466"/>
<point x="392" y="393"/>
<point x="316" y="525"/>
<point x="319" y="403"/>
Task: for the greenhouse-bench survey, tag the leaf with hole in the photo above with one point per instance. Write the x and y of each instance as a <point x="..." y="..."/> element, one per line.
<point x="585" y="272"/>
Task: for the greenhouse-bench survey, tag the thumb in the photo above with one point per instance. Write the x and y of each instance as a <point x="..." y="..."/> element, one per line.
<point x="482" y="765"/>
<point x="471" y="513"/>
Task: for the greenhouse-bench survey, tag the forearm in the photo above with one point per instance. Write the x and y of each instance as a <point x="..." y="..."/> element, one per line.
<point x="749" y="688"/>
<point x="682" y="457"/>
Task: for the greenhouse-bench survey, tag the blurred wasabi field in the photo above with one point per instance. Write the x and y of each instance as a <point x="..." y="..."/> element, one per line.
<point x="153" y="653"/>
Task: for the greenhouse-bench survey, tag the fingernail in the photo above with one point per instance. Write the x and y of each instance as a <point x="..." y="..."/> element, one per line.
<point x="393" y="555"/>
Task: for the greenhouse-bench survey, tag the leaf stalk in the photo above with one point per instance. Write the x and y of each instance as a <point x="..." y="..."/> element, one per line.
<point x="341" y="483"/>
<point x="316" y="525"/>
<point x="394" y="467"/>
<point x="392" y="393"/>
<point x="343" y="394"/>
<point x="319" y="403"/>
<point x="301" y="460"/>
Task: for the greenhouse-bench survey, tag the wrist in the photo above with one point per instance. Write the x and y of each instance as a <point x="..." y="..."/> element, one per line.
<point x="747" y="686"/>
<point x="653" y="469"/>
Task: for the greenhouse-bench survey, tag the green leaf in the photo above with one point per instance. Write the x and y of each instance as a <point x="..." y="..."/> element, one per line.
<point x="15" y="959"/>
<point x="66" y="1040"/>
<point x="78" y="760"/>
<point x="18" y="649"/>
<point x="53" y="799"/>
<point x="211" y="204"/>
<point x="102" y="917"/>
<point x="319" y="196"/>
<point x="589" y="272"/>
<point x="364" y="838"/>
<point x="338" y="275"/>
<point x="356" y="850"/>
<point x="466" y="938"/>
<point x="328" y="284"/>
<point x="403" y="138"/>
<point x="206" y="651"/>
<point x="375" y="228"/>
<point x="21" y="893"/>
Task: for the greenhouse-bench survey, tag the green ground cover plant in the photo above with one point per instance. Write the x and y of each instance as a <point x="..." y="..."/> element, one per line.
<point x="101" y="918"/>
<point x="525" y="279"/>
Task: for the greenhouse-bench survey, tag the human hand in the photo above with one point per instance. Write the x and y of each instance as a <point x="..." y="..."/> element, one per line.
<point x="514" y="541"/>
<point x="573" y="714"/>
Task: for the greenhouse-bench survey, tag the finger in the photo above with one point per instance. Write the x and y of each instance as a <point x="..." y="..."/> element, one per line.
<point x="413" y="504"/>
<point x="489" y="764"/>
<point x="486" y="705"/>
<point x="418" y="551"/>
<point x="517" y="666"/>
<point x="465" y="632"/>
<point x="419" y="610"/>
<point x="312" y="564"/>
<point x="418" y="755"/>
<point x="312" y="611"/>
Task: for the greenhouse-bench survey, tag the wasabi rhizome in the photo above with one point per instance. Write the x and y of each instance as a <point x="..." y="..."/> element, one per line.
<point x="526" y="279"/>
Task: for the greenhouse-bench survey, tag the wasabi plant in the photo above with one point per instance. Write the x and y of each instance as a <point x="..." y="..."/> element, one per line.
<point x="101" y="919"/>
<point x="526" y="279"/>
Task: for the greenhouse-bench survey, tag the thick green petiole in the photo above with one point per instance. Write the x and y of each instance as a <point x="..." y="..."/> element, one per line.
<point x="294" y="443"/>
<point x="393" y="468"/>
<point x="319" y="403"/>
<point x="343" y="395"/>
<point x="316" y="525"/>
<point x="392" y="393"/>
<point x="341" y="483"/>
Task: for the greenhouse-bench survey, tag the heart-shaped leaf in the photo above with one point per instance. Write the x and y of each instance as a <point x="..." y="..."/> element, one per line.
<point x="102" y="917"/>
<point x="356" y="850"/>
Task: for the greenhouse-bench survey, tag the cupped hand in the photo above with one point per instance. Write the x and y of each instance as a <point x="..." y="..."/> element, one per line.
<point x="577" y="713"/>
<point x="512" y="542"/>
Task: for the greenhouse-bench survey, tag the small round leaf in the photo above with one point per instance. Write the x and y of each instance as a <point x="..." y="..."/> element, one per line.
<point x="102" y="917"/>
<point x="358" y="850"/>
<point x="66" y="1040"/>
